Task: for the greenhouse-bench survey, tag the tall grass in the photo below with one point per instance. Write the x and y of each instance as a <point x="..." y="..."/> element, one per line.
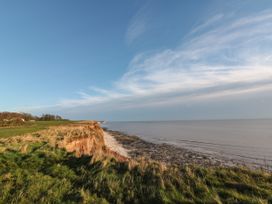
<point x="49" y="175"/>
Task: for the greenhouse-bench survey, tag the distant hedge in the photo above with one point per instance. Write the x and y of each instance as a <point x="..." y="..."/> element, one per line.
<point x="13" y="116"/>
<point x="48" y="117"/>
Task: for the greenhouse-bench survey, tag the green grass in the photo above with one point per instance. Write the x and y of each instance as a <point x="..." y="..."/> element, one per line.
<point x="50" y="175"/>
<point x="29" y="127"/>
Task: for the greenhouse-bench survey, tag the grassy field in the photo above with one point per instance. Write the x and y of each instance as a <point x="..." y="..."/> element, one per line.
<point x="29" y="127"/>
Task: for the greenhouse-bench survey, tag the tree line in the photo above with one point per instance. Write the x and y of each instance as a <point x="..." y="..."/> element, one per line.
<point x="28" y="117"/>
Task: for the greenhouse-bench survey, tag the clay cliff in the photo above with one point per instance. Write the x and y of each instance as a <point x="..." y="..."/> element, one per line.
<point x="84" y="138"/>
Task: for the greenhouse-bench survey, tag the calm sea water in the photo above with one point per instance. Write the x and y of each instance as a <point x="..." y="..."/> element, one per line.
<point x="244" y="140"/>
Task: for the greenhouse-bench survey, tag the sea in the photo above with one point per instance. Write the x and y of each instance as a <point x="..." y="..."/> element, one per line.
<point x="249" y="141"/>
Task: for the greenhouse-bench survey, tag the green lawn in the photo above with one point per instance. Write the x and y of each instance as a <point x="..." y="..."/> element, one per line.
<point x="29" y="127"/>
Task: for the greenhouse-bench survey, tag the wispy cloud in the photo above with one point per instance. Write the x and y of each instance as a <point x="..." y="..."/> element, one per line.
<point x="210" y="22"/>
<point x="223" y="57"/>
<point x="137" y="25"/>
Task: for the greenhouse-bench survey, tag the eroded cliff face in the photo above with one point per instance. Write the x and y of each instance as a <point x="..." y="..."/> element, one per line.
<point x="84" y="138"/>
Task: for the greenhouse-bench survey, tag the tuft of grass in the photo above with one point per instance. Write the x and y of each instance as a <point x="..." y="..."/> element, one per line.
<point x="50" y="175"/>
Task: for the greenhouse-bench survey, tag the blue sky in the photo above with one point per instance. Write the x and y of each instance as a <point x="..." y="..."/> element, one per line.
<point x="137" y="60"/>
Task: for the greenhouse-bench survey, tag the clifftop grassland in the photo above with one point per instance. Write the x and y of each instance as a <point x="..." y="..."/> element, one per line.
<point x="12" y="123"/>
<point x="28" y="127"/>
<point x="70" y="163"/>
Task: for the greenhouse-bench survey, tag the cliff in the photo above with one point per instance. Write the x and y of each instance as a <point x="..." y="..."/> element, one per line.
<point x="84" y="138"/>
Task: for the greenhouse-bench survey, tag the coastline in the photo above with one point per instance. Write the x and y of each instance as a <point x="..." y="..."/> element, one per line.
<point x="115" y="146"/>
<point x="137" y="148"/>
<point x="84" y="162"/>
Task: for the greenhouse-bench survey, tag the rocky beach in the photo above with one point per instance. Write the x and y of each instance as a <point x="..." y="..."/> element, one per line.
<point x="138" y="148"/>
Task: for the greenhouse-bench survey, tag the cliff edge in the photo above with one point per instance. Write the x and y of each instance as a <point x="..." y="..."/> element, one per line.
<point x="82" y="138"/>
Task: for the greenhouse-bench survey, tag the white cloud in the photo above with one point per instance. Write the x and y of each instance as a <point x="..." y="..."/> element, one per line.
<point x="234" y="57"/>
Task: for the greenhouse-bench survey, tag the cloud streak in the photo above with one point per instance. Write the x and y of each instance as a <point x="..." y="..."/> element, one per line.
<point x="224" y="56"/>
<point x="137" y="25"/>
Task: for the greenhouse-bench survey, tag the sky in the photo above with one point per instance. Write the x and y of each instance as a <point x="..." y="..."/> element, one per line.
<point x="137" y="60"/>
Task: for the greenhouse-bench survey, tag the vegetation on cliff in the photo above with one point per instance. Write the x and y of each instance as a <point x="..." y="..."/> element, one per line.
<point x="29" y="127"/>
<point x="51" y="175"/>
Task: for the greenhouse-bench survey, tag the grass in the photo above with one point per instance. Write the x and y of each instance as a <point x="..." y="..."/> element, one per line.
<point x="50" y="175"/>
<point x="29" y="127"/>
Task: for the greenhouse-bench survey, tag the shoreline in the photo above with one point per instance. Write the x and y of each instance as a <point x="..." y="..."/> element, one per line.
<point x="138" y="148"/>
<point x="115" y="146"/>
